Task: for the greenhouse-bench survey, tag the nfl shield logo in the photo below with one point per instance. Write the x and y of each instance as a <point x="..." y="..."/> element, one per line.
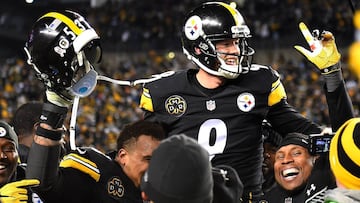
<point x="210" y="105"/>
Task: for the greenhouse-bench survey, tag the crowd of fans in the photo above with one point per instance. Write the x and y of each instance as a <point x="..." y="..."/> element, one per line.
<point x="135" y="37"/>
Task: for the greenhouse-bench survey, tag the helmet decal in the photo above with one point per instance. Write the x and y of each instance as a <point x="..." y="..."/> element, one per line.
<point x="193" y="28"/>
<point x="236" y="15"/>
<point x="63" y="45"/>
<point x="58" y="16"/>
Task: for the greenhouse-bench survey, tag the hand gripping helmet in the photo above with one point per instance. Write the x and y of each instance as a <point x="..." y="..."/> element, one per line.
<point x="61" y="48"/>
<point x="211" y="22"/>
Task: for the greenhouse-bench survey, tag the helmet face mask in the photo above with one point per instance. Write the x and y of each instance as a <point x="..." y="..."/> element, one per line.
<point x="61" y="49"/>
<point x="208" y="24"/>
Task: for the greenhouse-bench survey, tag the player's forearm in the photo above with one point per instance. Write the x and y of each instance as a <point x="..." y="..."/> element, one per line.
<point x="340" y="106"/>
<point x="47" y="141"/>
<point x="334" y="79"/>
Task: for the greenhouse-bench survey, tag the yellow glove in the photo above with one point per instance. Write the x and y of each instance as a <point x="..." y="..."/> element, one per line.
<point x="324" y="54"/>
<point x="16" y="192"/>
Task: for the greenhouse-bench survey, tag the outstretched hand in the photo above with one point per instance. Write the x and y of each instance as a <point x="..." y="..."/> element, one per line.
<point x="323" y="52"/>
<point x="16" y="192"/>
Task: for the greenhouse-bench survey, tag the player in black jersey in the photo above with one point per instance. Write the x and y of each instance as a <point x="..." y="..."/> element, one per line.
<point x="223" y="102"/>
<point x="62" y="47"/>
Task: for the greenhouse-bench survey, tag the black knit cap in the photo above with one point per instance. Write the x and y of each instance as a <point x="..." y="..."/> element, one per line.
<point x="6" y="131"/>
<point x="179" y="172"/>
<point x="296" y="139"/>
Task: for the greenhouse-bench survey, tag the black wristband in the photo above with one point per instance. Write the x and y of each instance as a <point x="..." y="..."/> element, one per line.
<point x="53" y="115"/>
<point x="331" y="69"/>
<point x="55" y="135"/>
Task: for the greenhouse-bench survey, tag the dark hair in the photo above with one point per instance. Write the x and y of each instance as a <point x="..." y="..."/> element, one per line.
<point x="132" y="131"/>
<point x="25" y="117"/>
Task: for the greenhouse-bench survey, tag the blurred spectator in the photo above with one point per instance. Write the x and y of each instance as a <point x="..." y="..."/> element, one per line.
<point x="25" y="120"/>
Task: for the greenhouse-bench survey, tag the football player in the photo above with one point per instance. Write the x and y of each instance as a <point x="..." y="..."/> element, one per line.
<point x="62" y="49"/>
<point x="223" y="101"/>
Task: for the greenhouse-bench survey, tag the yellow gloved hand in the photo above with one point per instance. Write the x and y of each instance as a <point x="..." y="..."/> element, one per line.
<point x="16" y="192"/>
<point x="324" y="54"/>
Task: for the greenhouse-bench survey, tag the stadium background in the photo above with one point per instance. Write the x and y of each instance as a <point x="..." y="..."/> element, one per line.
<point x="140" y="38"/>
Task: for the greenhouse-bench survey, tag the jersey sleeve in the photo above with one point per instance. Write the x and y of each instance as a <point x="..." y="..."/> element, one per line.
<point x="146" y="101"/>
<point x="277" y="89"/>
<point x="340" y="106"/>
<point x="82" y="164"/>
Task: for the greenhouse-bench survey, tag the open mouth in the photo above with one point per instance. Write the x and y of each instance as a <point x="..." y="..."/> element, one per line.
<point x="290" y="173"/>
<point x="231" y="61"/>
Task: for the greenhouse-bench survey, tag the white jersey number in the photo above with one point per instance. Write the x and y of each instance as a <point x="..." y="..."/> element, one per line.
<point x="221" y="136"/>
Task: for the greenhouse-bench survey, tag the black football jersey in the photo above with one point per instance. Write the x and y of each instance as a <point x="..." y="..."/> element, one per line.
<point x="87" y="175"/>
<point x="227" y="120"/>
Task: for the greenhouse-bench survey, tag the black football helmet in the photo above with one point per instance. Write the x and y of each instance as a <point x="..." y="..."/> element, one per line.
<point x="61" y="48"/>
<point x="211" y="22"/>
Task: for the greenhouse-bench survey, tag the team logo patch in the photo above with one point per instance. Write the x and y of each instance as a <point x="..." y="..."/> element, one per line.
<point x="246" y="102"/>
<point x="193" y="27"/>
<point x="2" y="132"/>
<point x="175" y="105"/>
<point x="210" y="105"/>
<point x="115" y="188"/>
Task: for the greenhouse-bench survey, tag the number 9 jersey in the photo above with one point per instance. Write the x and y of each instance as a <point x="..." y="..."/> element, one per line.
<point x="227" y="120"/>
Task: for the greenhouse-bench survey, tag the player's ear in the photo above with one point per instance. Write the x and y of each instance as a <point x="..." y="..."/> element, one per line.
<point x="121" y="156"/>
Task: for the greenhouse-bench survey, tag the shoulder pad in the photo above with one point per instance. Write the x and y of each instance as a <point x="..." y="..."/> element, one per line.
<point x="79" y="160"/>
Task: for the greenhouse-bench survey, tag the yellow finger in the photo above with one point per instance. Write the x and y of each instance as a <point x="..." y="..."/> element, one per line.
<point x="307" y="35"/>
<point x="303" y="51"/>
<point x="27" y="182"/>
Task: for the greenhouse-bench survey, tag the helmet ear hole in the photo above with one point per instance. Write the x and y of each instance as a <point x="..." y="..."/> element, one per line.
<point x="197" y="50"/>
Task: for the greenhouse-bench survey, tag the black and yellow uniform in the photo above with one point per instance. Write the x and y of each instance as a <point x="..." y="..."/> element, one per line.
<point x="87" y="175"/>
<point x="227" y="120"/>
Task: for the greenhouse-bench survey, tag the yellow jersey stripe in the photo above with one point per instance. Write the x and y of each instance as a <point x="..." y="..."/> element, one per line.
<point x="82" y="164"/>
<point x="277" y="93"/>
<point x="145" y="101"/>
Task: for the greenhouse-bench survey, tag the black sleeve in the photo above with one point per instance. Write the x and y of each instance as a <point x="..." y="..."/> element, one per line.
<point x="340" y="106"/>
<point x="285" y="119"/>
<point x="71" y="186"/>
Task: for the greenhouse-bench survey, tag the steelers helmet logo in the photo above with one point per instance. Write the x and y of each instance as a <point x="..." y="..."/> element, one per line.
<point x="115" y="188"/>
<point x="246" y="102"/>
<point x="2" y="132"/>
<point x="175" y="105"/>
<point x="193" y="27"/>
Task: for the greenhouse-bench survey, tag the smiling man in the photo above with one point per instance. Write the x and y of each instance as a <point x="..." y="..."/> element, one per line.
<point x="300" y="175"/>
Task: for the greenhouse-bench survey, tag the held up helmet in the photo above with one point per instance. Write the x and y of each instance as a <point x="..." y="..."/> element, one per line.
<point x="61" y="48"/>
<point x="212" y="22"/>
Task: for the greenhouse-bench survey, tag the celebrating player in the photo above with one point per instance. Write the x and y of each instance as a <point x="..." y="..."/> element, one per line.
<point x="223" y="102"/>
